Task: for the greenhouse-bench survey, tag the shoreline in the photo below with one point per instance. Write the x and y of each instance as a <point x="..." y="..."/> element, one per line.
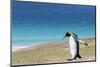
<point x="16" y="48"/>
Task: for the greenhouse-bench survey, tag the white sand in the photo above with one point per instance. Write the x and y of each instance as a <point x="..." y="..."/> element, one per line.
<point x="15" y="48"/>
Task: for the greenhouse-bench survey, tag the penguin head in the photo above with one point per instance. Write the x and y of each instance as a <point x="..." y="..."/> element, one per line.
<point x="68" y="34"/>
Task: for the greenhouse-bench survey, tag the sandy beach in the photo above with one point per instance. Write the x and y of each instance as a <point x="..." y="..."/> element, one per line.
<point x="53" y="52"/>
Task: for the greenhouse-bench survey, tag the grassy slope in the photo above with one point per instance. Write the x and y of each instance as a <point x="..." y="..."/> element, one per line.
<point x="51" y="54"/>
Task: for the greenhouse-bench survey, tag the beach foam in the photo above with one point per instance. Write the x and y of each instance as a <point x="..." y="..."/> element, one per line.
<point x="15" y="48"/>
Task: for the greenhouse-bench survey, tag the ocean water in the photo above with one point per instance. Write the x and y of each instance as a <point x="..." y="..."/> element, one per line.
<point x="37" y="23"/>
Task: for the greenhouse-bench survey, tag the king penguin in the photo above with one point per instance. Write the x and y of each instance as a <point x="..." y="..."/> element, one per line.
<point x="74" y="45"/>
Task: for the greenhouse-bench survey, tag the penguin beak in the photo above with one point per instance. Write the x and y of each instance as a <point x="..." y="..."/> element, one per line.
<point x="64" y="37"/>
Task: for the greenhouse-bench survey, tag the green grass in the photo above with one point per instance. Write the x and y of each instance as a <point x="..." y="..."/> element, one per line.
<point x="51" y="55"/>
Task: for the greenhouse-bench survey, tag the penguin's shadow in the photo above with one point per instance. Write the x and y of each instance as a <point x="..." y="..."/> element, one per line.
<point x="73" y="59"/>
<point x="70" y="59"/>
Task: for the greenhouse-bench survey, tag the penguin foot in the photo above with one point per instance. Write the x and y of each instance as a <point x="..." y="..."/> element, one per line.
<point x="79" y="57"/>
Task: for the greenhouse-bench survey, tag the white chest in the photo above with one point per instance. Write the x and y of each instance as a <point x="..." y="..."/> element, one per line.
<point x="72" y="42"/>
<point x="73" y="46"/>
